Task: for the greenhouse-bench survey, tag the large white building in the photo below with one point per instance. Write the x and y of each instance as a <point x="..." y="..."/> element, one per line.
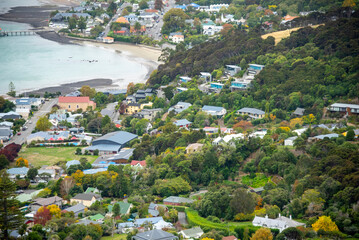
<point x="280" y="223"/>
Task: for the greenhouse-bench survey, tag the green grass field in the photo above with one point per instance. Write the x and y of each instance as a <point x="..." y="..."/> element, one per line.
<point x="115" y="237"/>
<point x="39" y="156"/>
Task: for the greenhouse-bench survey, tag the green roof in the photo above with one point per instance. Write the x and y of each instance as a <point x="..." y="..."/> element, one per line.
<point x="123" y="207"/>
<point x="96" y="217"/>
<point x="90" y="190"/>
<point x="27" y="197"/>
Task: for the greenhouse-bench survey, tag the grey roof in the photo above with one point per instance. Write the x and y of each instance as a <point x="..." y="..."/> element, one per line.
<point x="6" y="124"/>
<point x="233" y="66"/>
<point x="25" y="101"/>
<point x="155" y="235"/>
<point x="76" y="209"/>
<point x="126" y="225"/>
<point x="153" y="212"/>
<point x="292" y="138"/>
<point x="123" y="154"/>
<point x="134" y="104"/>
<point x="9" y="115"/>
<point x="141" y="221"/>
<point x="72" y="162"/>
<point x="104" y="147"/>
<point x="345" y="105"/>
<point x="94" y="171"/>
<point x="179" y="107"/>
<point x="251" y="111"/>
<point x="332" y="135"/>
<point x="48" y="135"/>
<point x="212" y="108"/>
<point x="5" y="132"/>
<point x="299" y="111"/>
<point x="175" y="199"/>
<point x="47" y="201"/>
<point x="18" y="171"/>
<point x="182" y="122"/>
<point x="86" y="222"/>
<point x="86" y="196"/>
<point x="66" y="15"/>
<point x="120" y="137"/>
<point x="289" y="222"/>
<point x="193" y="232"/>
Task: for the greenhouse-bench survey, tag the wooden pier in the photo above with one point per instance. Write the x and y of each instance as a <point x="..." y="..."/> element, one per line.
<point x="21" y="33"/>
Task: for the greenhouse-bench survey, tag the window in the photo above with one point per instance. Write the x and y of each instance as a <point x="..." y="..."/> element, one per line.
<point x="69" y="106"/>
<point x="77" y="106"/>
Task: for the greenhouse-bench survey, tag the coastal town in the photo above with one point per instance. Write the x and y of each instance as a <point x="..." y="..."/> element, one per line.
<point x="247" y="129"/>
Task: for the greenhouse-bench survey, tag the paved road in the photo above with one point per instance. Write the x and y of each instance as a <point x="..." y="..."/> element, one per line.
<point x="111" y="111"/>
<point x="46" y="108"/>
<point x="114" y="18"/>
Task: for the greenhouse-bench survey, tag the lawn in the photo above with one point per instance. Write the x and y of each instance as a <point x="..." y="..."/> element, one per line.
<point x="39" y="156"/>
<point x="259" y="181"/>
<point x="115" y="237"/>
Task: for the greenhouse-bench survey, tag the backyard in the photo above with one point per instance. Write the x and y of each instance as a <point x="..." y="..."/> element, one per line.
<point x="39" y="156"/>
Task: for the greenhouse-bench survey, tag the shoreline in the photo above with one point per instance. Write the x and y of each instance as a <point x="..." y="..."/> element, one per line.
<point x="37" y="17"/>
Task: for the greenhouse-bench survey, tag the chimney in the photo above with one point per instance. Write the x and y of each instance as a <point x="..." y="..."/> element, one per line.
<point x="279" y="215"/>
<point x="290" y="217"/>
<point x="266" y="216"/>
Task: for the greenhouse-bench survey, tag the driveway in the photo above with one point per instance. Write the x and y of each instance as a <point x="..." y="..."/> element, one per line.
<point x="182" y="218"/>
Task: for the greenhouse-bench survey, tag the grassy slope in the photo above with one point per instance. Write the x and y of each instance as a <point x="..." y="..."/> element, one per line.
<point x="115" y="237"/>
<point x="40" y="156"/>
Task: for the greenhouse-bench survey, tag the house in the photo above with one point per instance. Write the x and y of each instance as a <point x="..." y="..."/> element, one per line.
<point x="87" y="199"/>
<point x="172" y="34"/>
<point x="192" y="233"/>
<point x="155" y="234"/>
<point x="183" y="123"/>
<point x="122" y="20"/>
<point x="178" y="38"/>
<point x="94" y="171"/>
<point x="125" y="227"/>
<point x="5" y="133"/>
<point x="257" y="190"/>
<point x="97" y="218"/>
<point x="133" y="108"/>
<point x="176" y="201"/>
<point x="229" y="238"/>
<point x="44" y="202"/>
<point x="125" y="208"/>
<point x="290" y="141"/>
<point x="260" y="133"/>
<point x="148" y="114"/>
<point x="10" y="115"/>
<point x="252" y="113"/>
<point x="180" y="89"/>
<point x="28" y="195"/>
<point x="20" y="171"/>
<point x="130" y="98"/>
<point x="48" y="137"/>
<point x="76" y="209"/>
<point x="233" y="69"/>
<point x="63" y="16"/>
<point x="122" y="157"/>
<point x="288" y="18"/>
<point x="344" y="108"/>
<point x="280" y="223"/>
<point x="145" y="221"/>
<point x="254" y="68"/>
<point x="184" y="79"/>
<point x="194" y="147"/>
<point x="55" y="118"/>
<point x="131" y="17"/>
<point x="214" y="86"/>
<point x="210" y="130"/>
<point x="162" y="225"/>
<point x="86" y="222"/>
<point x="72" y="162"/>
<point x="322" y="137"/>
<point x="211" y="29"/>
<point x="298" y="112"/>
<point x="138" y="164"/>
<point x="179" y="107"/>
<point x="92" y="190"/>
<point x="76" y="103"/>
<point x="108" y="40"/>
<point x="45" y="174"/>
<point x="153" y="209"/>
<point x="124" y="31"/>
<point x="214" y="110"/>
<point x="111" y="143"/>
<point x="300" y="131"/>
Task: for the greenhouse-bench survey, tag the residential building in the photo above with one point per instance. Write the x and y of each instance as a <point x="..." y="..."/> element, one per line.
<point x="290" y="141"/>
<point x="112" y="143"/>
<point x="76" y="103"/>
<point x="210" y="130"/>
<point x="179" y="107"/>
<point x="97" y="218"/>
<point x="177" y="201"/>
<point x="10" y="115"/>
<point x="138" y="164"/>
<point x="233" y="69"/>
<point x="344" y="108"/>
<point x="322" y="137"/>
<point x="183" y="123"/>
<point x="125" y="208"/>
<point x="214" y="110"/>
<point x="254" y="68"/>
<point x="252" y="113"/>
<point x="126" y="227"/>
<point x="133" y="108"/>
<point x="76" y="209"/>
<point x="162" y="225"/>
<point x="184" y="79"/>
<point x="19" y="171"/>
<point x="108" y="40"/>
<point x="155" y="234"/>
<point x="194" y="147"/>
<point x="178" y="38"/>
<point x="240" y="85"/>
<point x="72" y="162"/>
<point x="215" y="86"/>
<point x="279" y="223"/>
<point x="86" y="222"/>
<point x="298" y="112"/>
<point x="145" y="221"/>
<point x="87" y="199"/>
<point x="192" y="233"/>
<point x="260" y="133"/>
<point x="64" y="16"/>
<point x="300" y="131"/>
<point x="206" y="75"/>
<point x="48" y="137"/>
<point x="211" y="29"/>
<point x="28" y="195"/>
<point x="122" y="157"/>
<point x="122" y="20"/>
<point x="44" y="202"/>
<point x="149" y="114"/>
<point x="94" y="171"/>
<point x="5" y="134"/>
<point x="181" y="89"/>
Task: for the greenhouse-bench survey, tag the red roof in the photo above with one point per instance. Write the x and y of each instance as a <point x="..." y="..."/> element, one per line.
<point x="74" y="99"/>
<point x="151" y="10"/>
<point x="142" y="163"/>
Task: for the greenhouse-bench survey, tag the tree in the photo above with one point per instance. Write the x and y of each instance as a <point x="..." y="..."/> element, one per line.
<point x="32" y="173"/>
<point x="43" y="124"/>
<point x="78" y="176"/>
<point x="158" y="4"/>
<point x="3" y="161"/>
<point x="290" y="233"/>
<point x="348" y="4"/>
<point x="173" y="20"/>
<point x="82" y="23"/>
<point x="125" y="12"/>
<point x="326" y="224"/>
<point x="10" y="216"/>
<point x="12" y="91"/>
<point x="21" y="162"/>
<point x="226" y="28"/>
<point x="87" y="91"/>
<point x="116" y="210"/>
<point x="244" y="125"/>
<point x="242" y="202"/>
<point x="309" y="119"/>
<point x="131" y="88"/>
<point x="55" y="211"/>
<point x="137" y="27"/>
<point x="350" y="135"/>
<point x="143" y="4"/>
<point x="95" y="31"/>
<point x="72" y="23"/>
<point x="66" y="185"/>
<point x="262" y="234"/>
<point x="42" y="216"/>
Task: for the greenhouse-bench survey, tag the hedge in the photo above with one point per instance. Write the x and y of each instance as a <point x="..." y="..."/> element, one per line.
<point x="178" y="208"/>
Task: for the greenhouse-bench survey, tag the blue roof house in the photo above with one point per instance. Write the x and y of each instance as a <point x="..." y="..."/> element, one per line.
<point x="256" y="67"/>
<point x="112" y="143"/>
<point x="214" y="111"/>
<point x="184" y="79"/>
<point x="182" y="123"/>
<point x="13" y="172"/>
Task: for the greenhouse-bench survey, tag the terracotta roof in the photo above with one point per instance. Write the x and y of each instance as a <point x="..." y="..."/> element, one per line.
<point x="289" y="17"/>
<point x="151" y="10"/>
<point x="74" y="99"/>
<point x="142" y="163"/>
<point x="122" y="20"/>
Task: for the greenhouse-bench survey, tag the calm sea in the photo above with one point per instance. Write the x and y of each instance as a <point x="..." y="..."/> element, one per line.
<point x="32" y="62"/>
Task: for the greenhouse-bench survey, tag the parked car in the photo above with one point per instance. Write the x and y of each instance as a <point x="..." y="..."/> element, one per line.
<point x="19" y="133"/>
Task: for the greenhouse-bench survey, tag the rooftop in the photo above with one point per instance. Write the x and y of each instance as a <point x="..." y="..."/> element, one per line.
<point x="251" y="111"/>
<point x="73" y="99"/>
<point x="155" y="235"/>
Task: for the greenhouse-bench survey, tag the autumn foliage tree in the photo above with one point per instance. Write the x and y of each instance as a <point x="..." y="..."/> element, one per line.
<point x="21" y="162"/>
<point x="66" y="185"/>
<point x="326" y="224"/>
<point x="11" y="151"/>
<point x="55" y="211"/>
<point x="262" y="234"/>
<point x="42" y="216"/>
<point x="244" y="125"/>
<point x="226" y="28"/>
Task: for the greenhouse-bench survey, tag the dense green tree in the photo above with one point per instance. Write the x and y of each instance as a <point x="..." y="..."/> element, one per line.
<point x="173" y="20"/>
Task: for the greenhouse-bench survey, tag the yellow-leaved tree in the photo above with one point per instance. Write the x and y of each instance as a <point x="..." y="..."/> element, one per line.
<point x="21" y="162"/>
<point x="55" y="211"/>
<point x="325" y="223"/>
<point x="309" y="119"/>
<point x="348" y="4"/>
<point x="293" y="122"/>
<point x="262" y="234"/>
<point x="78" y="176"/>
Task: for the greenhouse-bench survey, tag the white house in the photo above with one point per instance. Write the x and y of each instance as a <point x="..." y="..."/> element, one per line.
<point x="211" y="30"/>
<point x="290" y="141"/>
<point x="177" y="38"/>
<point x="214" y="111"/>
<point x="280" y="223"/>
<point x="192" y="233"/>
